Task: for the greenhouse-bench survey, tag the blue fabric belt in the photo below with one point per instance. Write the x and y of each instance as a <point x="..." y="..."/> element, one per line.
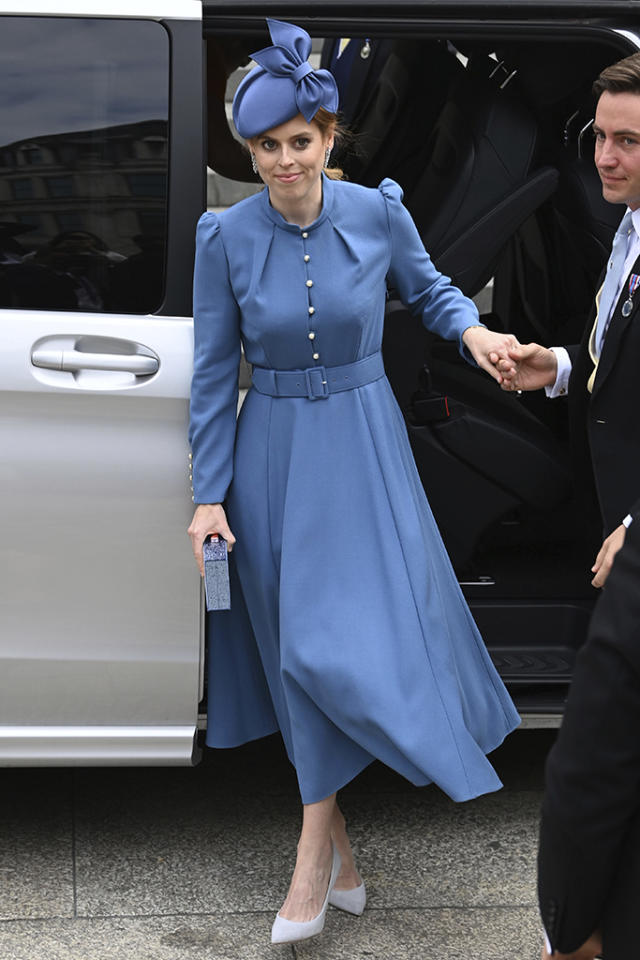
<point x="316" y="383"/>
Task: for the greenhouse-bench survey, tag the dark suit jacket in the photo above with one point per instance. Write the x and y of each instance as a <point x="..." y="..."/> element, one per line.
<point x="589" y="856"/>
<point x="355" y="76"/>
<point x="605" y="425"/>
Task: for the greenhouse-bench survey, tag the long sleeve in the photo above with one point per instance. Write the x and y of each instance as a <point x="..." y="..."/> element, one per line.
<point x="592" y="795"/>
<point x="214" y="386"/>
<point x="427" y="293"/>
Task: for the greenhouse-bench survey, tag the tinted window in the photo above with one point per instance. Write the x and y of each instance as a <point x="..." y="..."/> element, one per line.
<point x="83" y="163"/>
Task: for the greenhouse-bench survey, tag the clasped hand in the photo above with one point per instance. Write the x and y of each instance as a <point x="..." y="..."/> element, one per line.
<point x="490" y="350"/>
<point x="525" y="366"/>
<point x="514" y="365"/>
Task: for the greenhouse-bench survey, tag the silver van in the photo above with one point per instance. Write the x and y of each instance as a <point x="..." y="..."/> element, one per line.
<point x="101" y="183"/>
<point x="483" y="117"/>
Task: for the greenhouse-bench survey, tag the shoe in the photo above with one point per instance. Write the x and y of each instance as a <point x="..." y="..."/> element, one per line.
<point x="288" y="931"/>
<point x="352" y="901"/>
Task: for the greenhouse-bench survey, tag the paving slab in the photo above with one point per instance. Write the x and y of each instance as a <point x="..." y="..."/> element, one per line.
<point x="201" y="856"/>
<point x="430" y="852"/>
<point x="487" y="934"/>
<point x="479" y="934"/>
<point x="193" y="863"/>
<point x="217" y="937"/>
<point x="36" y="844"/>
<point x="178" y="850"/>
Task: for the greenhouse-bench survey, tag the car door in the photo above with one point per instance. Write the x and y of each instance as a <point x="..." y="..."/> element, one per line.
<point x="468" y="99"/>
<point x="101" y="183"/>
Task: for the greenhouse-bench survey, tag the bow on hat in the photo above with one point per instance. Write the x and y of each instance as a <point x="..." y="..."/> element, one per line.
<point x="283" y="84"/>
<point x="289" y="57"/>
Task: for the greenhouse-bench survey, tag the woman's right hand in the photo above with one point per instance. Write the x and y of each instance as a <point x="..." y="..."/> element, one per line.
<point x="209" y="518"/>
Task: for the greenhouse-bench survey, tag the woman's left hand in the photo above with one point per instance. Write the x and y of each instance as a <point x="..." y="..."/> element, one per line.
<point x="488" y="347"/>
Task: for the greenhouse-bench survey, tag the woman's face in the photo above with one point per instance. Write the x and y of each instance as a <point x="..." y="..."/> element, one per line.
<point x="290" y="159"/>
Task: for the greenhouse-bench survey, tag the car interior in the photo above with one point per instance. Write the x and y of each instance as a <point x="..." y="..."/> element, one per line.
<point x="490" y="139"/>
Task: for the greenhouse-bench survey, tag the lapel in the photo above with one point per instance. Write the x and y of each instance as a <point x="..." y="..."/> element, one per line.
<point x="617" y="327"/>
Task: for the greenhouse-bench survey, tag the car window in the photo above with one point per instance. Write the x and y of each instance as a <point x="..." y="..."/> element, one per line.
<point x="83" y="164"/>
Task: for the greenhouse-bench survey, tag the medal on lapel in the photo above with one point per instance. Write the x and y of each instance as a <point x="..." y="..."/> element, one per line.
<point x="634" y="283"/>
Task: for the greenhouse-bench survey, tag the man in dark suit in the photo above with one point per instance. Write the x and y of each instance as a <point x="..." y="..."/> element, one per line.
<point x="589" y="856"/>
<point x="355" y="62"/>
<point x="601" y="375"/>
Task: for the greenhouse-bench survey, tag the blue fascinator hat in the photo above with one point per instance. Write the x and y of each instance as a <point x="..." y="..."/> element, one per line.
<point x="283" y="84"/>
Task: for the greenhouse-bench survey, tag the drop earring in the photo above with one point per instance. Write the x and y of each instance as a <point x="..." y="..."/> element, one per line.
<point x="254" y="163"/>
<point x="326" y="156"/>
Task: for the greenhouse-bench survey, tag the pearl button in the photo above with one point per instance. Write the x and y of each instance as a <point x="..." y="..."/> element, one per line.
<point x="312" y="309"/>
<point x="312" y="335"/>
<point x="307" y="258"/>
<point x="305" y="235"/>
<point x="309" y="283"/>
<point x="316" y="356"/>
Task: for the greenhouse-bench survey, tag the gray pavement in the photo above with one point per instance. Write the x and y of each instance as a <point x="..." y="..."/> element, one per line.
<point x="179" y="864"/>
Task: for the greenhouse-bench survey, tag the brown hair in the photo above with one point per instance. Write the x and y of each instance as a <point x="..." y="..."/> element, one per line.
<point x="329" y="124"/>
<point x="620" y="77"/>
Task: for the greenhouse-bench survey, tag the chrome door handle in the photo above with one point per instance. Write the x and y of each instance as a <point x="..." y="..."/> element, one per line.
<point x="72" y="361"/>
<point x="82" y="355"/>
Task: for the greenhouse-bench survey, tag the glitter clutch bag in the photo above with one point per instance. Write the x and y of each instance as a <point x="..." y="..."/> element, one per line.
<point x="216" y="574"/>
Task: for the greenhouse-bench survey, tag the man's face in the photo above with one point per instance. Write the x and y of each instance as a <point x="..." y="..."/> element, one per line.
<point x="617" y="150"/>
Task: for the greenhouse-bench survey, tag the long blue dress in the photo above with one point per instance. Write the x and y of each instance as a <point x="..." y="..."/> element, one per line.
<point x="348" y="630"/>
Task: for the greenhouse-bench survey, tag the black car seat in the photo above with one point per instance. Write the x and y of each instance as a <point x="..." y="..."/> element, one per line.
<point x="546" y="280"/>
<point x="481" y="179"/>
<point x="481" y="454"/>
<point x="550" y="272"/>
<point x="394" y="122"/>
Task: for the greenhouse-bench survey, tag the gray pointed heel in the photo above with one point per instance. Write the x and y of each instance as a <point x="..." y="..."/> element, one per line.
<point x="290" y="931"/>
<point x="352" y="901"/>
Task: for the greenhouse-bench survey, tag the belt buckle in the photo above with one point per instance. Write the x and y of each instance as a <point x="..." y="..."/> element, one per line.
<point x="317" y="384"/>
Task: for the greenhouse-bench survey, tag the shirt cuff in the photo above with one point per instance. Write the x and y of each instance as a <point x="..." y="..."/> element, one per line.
<point x="547" y="944"/>
<point x="561" y="386"/>
<point x="628" y="520"/>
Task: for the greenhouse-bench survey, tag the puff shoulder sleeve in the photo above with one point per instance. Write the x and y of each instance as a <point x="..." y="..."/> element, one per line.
<point x="427" y="293"/>
<point x="214" y="386"/>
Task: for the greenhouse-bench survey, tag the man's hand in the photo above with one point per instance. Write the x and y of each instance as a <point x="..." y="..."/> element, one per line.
<point x="588" y="951"/>
<point x="526" y="367"/>
<point x="606" y="556"/>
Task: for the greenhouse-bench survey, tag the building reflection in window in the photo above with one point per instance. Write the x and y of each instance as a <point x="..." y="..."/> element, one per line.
<point x="83" y="184"/>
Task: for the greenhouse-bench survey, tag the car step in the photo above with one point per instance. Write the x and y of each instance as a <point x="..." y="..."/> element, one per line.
<point x="534" y="664"/>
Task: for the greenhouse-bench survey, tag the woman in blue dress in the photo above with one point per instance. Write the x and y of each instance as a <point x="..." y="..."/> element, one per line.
<point x="348" y="632"/>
